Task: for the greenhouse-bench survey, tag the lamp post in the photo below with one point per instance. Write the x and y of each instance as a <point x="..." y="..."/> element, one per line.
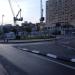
<point x="2" y="26"/>
<point x="2" y="19"/>
<point x="2" y="22"/>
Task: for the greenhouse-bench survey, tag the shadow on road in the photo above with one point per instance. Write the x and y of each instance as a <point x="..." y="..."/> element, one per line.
<point x="11" y="68"/>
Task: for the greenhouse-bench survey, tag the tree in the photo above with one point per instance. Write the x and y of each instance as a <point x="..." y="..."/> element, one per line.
<point x="28" y="29"/>
<point x="38" y="26"/>
<point x="14" y="30"/>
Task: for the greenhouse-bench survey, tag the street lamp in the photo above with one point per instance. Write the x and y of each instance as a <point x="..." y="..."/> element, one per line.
<point x="2" y="26"/>
<point x="2" y="23"/>
<point x="2" y="18"/>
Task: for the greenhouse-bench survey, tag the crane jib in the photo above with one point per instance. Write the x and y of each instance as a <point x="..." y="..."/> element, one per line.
<point x="19" y="13"/>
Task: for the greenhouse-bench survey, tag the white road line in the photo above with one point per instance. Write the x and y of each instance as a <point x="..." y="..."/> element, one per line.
<point x="72" y="60"/>
<point x="35" y="51"/>
<point x="65" y="42"/>
<point x="51" y="55"/>
<point x="71" y="48"/>
<point x="65" y="65"/>
<point x="25" y="49"/>
<point x="68" y="47"/>
<point x="68" y="66"/>
<point x="54" y="56"/>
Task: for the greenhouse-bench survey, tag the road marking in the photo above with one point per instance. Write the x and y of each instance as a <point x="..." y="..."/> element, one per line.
<point x="68" y="66"/>
<point x="25" y="49"/>
<point x="65" y="42"/>
<point x="71" y="48"/>
<point x="72" y="60"/>
<point x="68" y="47"/>
<point x="34" y="51"/>
<point x="51" y="55"/>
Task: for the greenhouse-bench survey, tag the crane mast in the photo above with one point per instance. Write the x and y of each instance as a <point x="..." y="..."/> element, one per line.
<point x="42" y="18"/>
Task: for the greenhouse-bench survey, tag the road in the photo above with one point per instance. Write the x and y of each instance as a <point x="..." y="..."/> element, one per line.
<point x="19" y="62"/>
<point x="49" y="47"/>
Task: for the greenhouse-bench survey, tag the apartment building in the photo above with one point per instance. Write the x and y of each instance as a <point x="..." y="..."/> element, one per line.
<point x="60" y="11"/>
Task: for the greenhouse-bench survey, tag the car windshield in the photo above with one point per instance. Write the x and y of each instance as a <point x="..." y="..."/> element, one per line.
<point x="37" y="37"/>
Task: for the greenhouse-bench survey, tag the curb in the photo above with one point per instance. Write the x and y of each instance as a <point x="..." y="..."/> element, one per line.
<point x="72" y="60"/>
<point x="36" y="52"/>
<point x="49" y="55"/>
<point x="31" y="41"/>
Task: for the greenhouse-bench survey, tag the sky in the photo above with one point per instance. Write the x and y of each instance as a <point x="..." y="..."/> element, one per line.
<point x="30" y="10"/>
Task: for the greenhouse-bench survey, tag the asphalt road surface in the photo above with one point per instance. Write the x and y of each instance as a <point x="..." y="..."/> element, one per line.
<point x="55" y="48"/>
<point x="18" y="62"/>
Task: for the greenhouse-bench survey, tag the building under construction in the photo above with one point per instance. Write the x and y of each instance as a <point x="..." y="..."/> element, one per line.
<point x="60" y="11"/>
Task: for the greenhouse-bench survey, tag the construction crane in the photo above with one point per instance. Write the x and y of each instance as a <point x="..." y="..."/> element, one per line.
<point x="15" y="18"/>
<point x="42" y="18"/>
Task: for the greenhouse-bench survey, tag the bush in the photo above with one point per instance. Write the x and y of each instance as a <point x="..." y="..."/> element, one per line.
<point x="18" y="37"/>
